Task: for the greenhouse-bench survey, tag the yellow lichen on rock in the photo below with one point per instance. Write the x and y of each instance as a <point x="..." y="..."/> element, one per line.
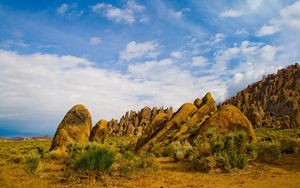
<point x="99" y="131"/>
<point x="228" y="118"/>
<point x="157" y="136"/>
<point x="75" y="127"/>
<point x="208" y="106"/>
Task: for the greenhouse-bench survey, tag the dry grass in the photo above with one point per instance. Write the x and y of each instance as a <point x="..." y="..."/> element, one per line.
<point x="284" y="172"/>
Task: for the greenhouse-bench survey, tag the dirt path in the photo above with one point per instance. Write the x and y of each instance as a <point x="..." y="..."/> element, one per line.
<point x="283" y="173"/>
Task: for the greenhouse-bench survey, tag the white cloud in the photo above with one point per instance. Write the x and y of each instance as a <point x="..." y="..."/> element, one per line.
<point x="289" y="18"/>
<point x="268" y="30"/>
<point x="241" y="32"/>
<point x="231" y="13"/>
<point x="14" y="43"/>
<point x="137" y="50"/>
<point x="254" y="4"/>
<point x="62" y="9"/>
<point x="44" y="87"/>
<point x="94" y="41"/>
<point x="199" y="61"/>
<point x="128" y="14"/>
<point x="246" y="63"/>
<point x="268" y="53"/>
<point x="249" y="7"/>
<point x="69" y="10"/>
<point x="218" y="38"/>
<point x="176" y="54"/>
<point x="176" y="14"/>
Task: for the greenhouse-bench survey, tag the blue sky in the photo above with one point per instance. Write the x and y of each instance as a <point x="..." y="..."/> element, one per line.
<point x="114" y="56"/>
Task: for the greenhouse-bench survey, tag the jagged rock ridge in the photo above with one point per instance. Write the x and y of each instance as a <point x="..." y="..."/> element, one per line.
<point x="272" y="101"/>
<point x="135" y="123"/>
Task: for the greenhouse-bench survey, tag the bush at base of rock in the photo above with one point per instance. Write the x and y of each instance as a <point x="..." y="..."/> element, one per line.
<point x="94" y="162"/>
<point x="229" y="151"/>
<point x="178" y="151"/>
<point x="128" y="164"/>
<point x="268" y="151"/>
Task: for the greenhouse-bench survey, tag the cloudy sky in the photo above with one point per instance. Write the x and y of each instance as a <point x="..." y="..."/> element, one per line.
<point x="114" y="56"/>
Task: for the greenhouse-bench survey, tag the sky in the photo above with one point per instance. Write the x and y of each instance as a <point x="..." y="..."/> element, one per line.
<point x="114" y="56"/>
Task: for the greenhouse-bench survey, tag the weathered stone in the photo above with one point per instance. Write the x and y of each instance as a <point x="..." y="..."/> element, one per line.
<point x="75" y="127"/>
<point x="198" y="102"/>
<point x="228" y="118"/>
<point x="276" y="94"/>
<point x="99" y="132"/>
<point x="207" y="108"/>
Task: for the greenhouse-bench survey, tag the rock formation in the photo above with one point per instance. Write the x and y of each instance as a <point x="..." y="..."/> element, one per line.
<point x="229" y="118"/>
<point x="273" y="101"/>
<point x="75" y="127"/>
<point x="99" y="132"/>
<point x="190" y="121"/>
<point x="135" y="123"/>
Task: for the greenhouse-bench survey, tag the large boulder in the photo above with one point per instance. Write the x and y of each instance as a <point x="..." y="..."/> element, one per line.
<point x="75" y="127"/>
<point x="156" y="125"/>
<point x="99" y="132"/>
<point x="206" y="107"/>
<point x="164" y="126"/>
<point x="228" y="118"/>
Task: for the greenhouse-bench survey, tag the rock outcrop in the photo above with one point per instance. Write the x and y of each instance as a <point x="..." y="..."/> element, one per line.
<point x="135" y="123"/>
<point x="228" y="118"/>
<point x="185" y="122"/>
<point x="99" y="132"/>
<point x="273" y="101"/>
<point x="190" y="121"/>
<point x="75" y="127"/>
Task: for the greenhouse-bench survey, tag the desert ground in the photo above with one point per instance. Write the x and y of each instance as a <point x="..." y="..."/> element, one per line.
<point x="284" y="172"/>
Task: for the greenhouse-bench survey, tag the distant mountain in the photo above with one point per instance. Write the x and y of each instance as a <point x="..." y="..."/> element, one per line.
<point x="272" y="101"/>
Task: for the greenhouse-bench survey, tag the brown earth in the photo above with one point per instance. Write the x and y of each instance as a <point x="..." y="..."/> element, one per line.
<point x="284" y="173"/>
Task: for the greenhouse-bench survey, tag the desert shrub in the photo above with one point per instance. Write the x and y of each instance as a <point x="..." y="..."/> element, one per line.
<point x="268" y="151"/>
<point x="225" y="151"/>
<point x="59" y="154"/>
<point x="147" y="162"/>
<point x="287" y="145"/>
<point x="32" y="163"/>
<point x="73" y="149"/>
<point x="204" y="164"/>
<point x="94" y="162"/>
<point x="128" y="164"/>
<point x="41" y="151"/>
<point x="15" y="159"/>
<point x="180" y="151"/>
<point x="167" y="151"/>
<point x="157" y="150"/>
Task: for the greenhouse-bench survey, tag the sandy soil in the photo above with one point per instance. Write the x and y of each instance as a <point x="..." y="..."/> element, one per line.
<point x="284" y="173"/>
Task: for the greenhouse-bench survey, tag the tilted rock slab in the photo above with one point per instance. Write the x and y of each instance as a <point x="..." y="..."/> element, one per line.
<point x="75" y="127"/>
<point x="99" y="132"/>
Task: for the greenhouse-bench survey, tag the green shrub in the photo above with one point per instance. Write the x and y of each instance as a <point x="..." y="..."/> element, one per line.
<point x="225" y="151"/>
<point x="94" y="162"/>
<point x="32" y="163"/>
<point x="15" y="159"/>
<point x="180" y="151"/>
<point x="147" y="162"/>
<point x="128" y="163"/>
<point x="288" y="145"/>
<point x="268" y="151"/>
<point x="204" y="164"/>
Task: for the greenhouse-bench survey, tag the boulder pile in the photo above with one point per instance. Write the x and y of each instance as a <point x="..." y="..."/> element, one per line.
<point x="272" y="101"/>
